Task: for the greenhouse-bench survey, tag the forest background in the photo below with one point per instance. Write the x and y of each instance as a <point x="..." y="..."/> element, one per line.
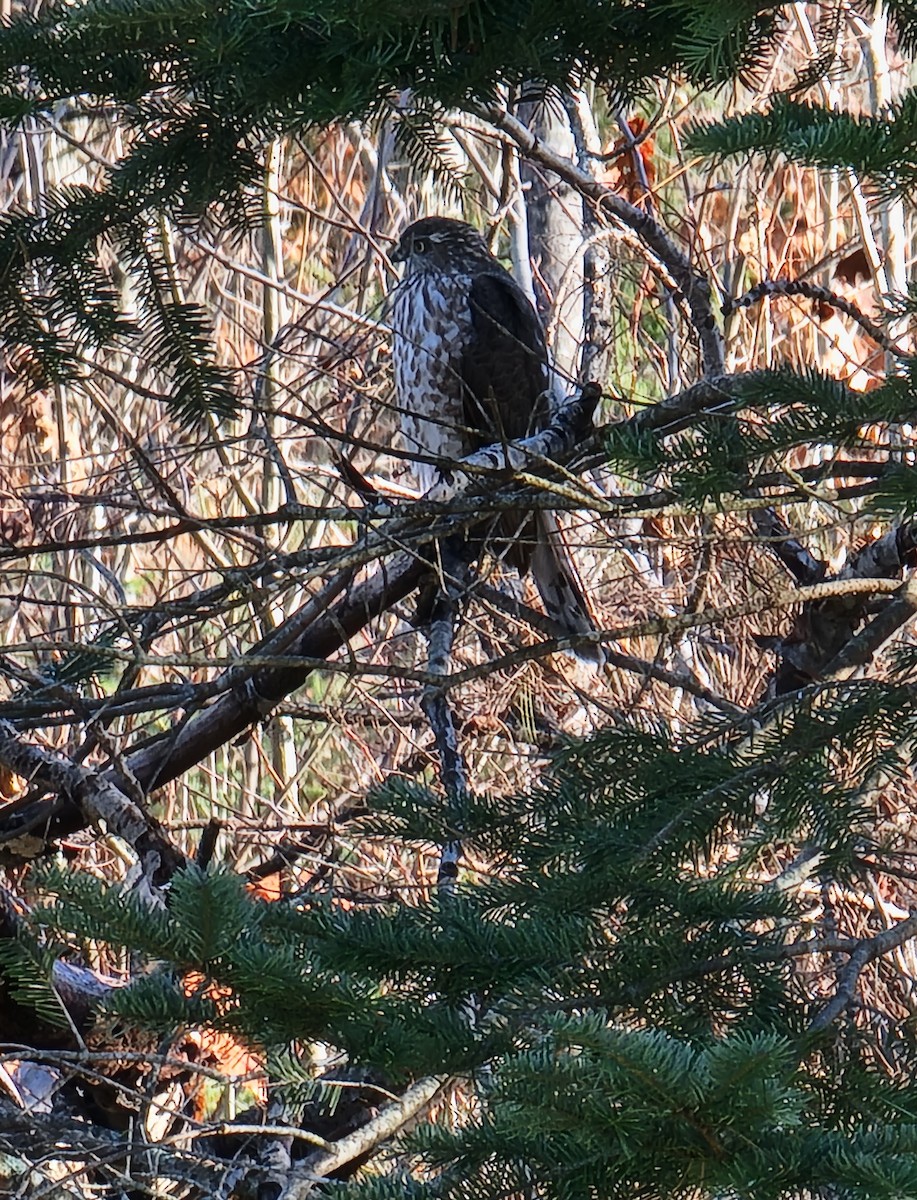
<point x="299" y="893"/>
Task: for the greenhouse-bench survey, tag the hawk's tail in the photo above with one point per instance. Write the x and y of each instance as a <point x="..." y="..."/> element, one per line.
<point x="559" y="586"/>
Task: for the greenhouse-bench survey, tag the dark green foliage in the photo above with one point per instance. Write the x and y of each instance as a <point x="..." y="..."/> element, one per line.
<point x="331" y="61"/>
<point x="618" y="982"/>
<point x="772" y="412"/>
<point x="904" y="14"/>
<point x="75" y="305"/>
<point x="737" y="1118"/>
<point x="883" y="148"/>
<point x="55" y="301"/>
<point x="178" y="344"/>
<point x="422" y="142"/>
<point x="26" y="966"/>
<point x="200" y="87"/>
<point x="78" y="667"/>
<point x="895" y="493"/>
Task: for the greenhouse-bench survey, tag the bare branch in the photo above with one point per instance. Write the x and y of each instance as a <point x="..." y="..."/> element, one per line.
<point x="97" y="799"/>
<point x="866" y="952"/>
<point x="321" y="627"/>
<point x="860" y="649"/>
<point x="390" y="1120"/>
<point x="799" y="287"/>
<point x="799" y="561"/>
<point x="824" y="634"/>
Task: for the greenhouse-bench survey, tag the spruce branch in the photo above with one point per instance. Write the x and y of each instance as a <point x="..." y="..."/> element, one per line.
<point x="881" y="146"/>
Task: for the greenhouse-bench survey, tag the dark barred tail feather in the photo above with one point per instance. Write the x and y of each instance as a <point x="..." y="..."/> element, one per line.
<point x="558" y="585"/>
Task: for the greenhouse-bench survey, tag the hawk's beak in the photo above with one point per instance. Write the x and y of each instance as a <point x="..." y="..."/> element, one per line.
<point x="400" y="253"/>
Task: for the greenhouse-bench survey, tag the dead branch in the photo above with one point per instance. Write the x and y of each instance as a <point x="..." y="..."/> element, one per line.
<point x="861" y="648"/>
<point x="667" y="626"/>
<point x="866" y="952"/>
<point x="800" y="562"/>
<point x="681" y="679"/>
<point x="164" y="759"/>
<point x="320" y="628"/>
<point x="25" y="1135"/>
<point x="248" y="692"/>
<point x="823" y="641"/>
<point x="812" y="291"/>
<point x="285" y="515"/>
<point x="392" y="1118"/>
<point x="97" y="799"/>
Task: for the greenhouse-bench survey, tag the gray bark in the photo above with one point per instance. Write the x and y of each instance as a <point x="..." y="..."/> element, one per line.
<point x="555" y="228"/>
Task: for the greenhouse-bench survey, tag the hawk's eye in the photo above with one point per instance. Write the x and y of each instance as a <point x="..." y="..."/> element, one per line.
<point x="421" y="245"/>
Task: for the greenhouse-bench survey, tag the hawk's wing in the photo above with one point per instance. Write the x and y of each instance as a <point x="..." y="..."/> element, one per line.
<point x="504" y="364"/>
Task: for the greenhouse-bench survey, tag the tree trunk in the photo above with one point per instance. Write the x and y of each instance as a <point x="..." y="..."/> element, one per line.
<point x="555" y="229"/>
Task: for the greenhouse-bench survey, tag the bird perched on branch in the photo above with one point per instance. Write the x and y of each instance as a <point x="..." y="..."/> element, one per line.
<point x="471" y="369"/>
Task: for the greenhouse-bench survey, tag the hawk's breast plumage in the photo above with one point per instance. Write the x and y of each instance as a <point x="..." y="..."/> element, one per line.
<point x="471" y="369"/>
<point x="430" y="333"/>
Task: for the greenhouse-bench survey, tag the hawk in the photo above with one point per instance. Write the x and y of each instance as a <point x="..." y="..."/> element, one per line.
<point x="471" y="369"/>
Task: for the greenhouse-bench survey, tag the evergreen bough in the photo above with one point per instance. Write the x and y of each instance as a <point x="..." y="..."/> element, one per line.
<point x="620" y="988"/>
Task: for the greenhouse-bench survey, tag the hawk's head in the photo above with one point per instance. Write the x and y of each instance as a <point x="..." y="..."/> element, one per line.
<point x="439" y="244"/>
